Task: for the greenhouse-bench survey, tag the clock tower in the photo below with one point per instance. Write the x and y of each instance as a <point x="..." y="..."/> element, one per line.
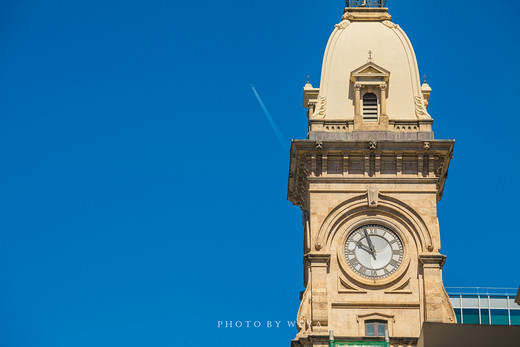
<point x="368" y="178"/>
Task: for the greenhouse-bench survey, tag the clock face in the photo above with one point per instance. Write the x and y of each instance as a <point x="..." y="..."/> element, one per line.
<point x="374" y="251"/>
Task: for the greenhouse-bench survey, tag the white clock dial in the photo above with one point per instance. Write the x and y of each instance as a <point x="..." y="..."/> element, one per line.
<point x="374" y="251"/>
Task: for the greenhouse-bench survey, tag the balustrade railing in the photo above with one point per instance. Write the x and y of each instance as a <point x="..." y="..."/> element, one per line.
<point x="366" y="3"/>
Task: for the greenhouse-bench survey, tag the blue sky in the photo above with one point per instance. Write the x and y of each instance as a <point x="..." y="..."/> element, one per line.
<point x="143" y="193"/>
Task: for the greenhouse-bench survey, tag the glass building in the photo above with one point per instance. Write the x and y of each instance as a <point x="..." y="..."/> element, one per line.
<point x="490" y="306"/>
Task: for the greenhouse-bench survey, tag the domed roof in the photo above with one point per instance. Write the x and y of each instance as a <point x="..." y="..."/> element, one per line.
<point x="367" y="39"/>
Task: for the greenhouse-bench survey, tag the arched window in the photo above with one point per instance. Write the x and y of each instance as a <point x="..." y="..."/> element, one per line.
<point x="375" y="327"/>
<point x="370" y="107"/>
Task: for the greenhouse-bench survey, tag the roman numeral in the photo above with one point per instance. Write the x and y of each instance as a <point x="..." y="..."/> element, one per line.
<point x="393" y="263"/>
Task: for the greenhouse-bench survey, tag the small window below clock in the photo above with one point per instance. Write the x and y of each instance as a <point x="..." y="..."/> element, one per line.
<point x="375" y="327"/>
<point x="370" y="107"/>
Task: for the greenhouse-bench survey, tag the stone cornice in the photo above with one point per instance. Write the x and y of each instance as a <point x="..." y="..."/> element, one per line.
<point x="371" y="180"/>
<point x="367" y="161"/>
<point x="435" y="145"/>
<point x="375" y="305"/>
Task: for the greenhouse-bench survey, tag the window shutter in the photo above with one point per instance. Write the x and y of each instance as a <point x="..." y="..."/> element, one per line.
<point x="370" y="107"/>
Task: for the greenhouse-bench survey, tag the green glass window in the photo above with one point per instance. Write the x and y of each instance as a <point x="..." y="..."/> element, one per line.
<point x="470" y="316"/>
<point x="515" y="317"/>
<point x="339" y="343"/>
<point x="499" y="317"/>
<point x="484" y="316"/>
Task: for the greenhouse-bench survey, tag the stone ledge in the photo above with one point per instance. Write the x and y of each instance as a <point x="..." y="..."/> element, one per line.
<point x="370" y="135"/>
<point x="366" y="14"/>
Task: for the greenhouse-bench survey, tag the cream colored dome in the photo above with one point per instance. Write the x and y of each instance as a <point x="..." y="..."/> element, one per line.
<point x="348" y="49"/>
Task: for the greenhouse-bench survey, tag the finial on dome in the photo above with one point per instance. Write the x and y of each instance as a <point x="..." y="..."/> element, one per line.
<point x="308" y="85"/>
<point x="424" y="79"/>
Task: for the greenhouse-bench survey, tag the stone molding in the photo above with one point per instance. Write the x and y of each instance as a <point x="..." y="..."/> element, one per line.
<point x="352" y="208"/>
<point x="354" y="160"/>
<point x="348" y="128"/>
<point x="432" y="260"/>
<point x="319" y="259"/>
<point x="363" y="14"/>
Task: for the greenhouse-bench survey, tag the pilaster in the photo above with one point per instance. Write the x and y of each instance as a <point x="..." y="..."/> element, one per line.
<point x="436" y="302"/>
<point x="319" y="268"/>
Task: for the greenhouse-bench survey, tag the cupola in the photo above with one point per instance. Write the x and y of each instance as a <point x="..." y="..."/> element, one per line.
<point x="369" y="82"/>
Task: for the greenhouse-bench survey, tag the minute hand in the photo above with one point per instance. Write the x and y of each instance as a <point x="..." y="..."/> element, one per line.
<point x="371" y="245"/>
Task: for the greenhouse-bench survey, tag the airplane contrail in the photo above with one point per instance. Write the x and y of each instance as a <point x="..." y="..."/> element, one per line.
<point x="271" y="121"/>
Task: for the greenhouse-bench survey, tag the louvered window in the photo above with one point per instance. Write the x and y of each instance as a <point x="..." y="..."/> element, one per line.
<point x="370" y="107"/>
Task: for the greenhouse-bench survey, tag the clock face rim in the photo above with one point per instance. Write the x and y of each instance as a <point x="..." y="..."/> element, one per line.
<point x="392" y="251"/>
<point x="397" y="227"/>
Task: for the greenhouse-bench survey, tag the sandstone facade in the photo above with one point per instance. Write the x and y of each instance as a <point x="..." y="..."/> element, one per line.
<point x="362" y="167"/>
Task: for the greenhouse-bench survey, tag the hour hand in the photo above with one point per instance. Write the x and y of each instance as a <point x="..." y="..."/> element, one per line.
<point x="370" y="245"/>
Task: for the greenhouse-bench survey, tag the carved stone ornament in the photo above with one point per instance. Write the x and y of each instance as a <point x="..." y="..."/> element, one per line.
<point x="319" y="145"/>
<point x="390" y="24"/>
<point x="373" y="196"/>
<point x="347" y="16"/>
<point x="372" y="145"/>
<point x="322" y="107"/>
<point x="420" y="108"/>
<point x="344" y="23"/>
<point x="426" y="145"/>
<point x="318" y="246"/>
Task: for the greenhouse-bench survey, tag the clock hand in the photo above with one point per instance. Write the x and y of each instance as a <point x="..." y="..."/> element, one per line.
<point x="372" y="249"/>
<point x="363" y="247"/>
